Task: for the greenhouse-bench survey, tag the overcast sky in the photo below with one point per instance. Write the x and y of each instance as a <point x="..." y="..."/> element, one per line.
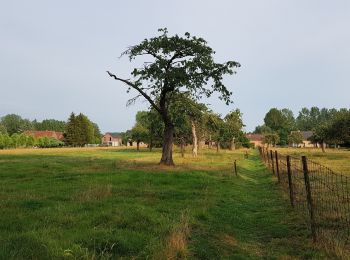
<point x="54" y="54"/>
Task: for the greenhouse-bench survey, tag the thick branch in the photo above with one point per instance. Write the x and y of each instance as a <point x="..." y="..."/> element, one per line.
<point x="134" y="86"/>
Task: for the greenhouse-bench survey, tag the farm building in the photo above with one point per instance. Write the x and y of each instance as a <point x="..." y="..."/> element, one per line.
<point x="306" y="142"/>
<point x="51" y="134"/>
<point x="111" y="139"/>
<point x="255" y="139"/>
<point x="133" y="143"/>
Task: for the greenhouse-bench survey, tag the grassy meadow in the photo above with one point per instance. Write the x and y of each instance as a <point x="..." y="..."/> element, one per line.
<point x="102" y="203"/>
<point x="337" y="160"/>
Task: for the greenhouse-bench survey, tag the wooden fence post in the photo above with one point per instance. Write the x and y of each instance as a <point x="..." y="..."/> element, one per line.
<point x="235" y="167"/>
<point x="272" y="163"/>
<point x="277" y="167"/>
<point x="289" y="172"/>
<point x="309" y="198"/>
<point x="263" y="154"/>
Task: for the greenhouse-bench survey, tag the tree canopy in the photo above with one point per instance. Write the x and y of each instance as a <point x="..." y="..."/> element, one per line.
<point x="80" y="131"/>
<point x="15" y="124"/>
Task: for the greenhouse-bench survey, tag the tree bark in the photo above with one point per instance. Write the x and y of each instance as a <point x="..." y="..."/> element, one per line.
<point x="210" y="144"/>
<point x="167" y="150"/>
<point x="217" y="146"/>
<point x="322" y="146"/>
<point x="150" y="144"/>
<point x="194" y="140"/>
<point x="232" y="147"/>
<point x="138" y="145"/>
<point x="182" y="148"/>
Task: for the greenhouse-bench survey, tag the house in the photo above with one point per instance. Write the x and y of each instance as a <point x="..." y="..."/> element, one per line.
<point x="133" y="143"/>
<point x="51" y="134"/>
<point x="255" y="139"/>
<point x="306" y="140"/>
<point x="111" y="139"/>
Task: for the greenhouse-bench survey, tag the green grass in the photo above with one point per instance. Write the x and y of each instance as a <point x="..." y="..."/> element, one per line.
<point x="335" y="159"/>
<point x="114" y="203"/>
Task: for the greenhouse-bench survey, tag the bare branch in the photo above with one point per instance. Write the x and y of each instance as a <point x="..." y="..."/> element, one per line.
<point x="134" y="86"/>
<point x="132" y="101"/>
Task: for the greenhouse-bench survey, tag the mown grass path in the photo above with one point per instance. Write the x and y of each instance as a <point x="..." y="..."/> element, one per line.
<point x="107" y="203"/>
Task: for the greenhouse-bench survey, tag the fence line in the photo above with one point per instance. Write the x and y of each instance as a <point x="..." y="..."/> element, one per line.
<point x="318" y="193"/>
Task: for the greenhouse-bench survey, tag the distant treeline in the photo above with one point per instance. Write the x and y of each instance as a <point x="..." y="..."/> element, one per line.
<point x="23" y="141"/>
<point x="194" y="124"/>
<point x="15" y="124"/>
<point x="78" y="131"/>
<point x="328" y="125"/>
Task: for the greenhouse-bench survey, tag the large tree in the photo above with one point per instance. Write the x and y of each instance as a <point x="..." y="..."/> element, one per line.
<point x="15" y="124"/>
<point x="281" y="122"/>
<point x="80" y="131"/>
<point x="188" y="116"/>
<point x="234" y="125"/>
<point x="178" y="64"/>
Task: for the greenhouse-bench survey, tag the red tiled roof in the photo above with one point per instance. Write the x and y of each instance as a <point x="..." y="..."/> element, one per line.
<point x="38" y="134"/>
<point x="255" y="137"/>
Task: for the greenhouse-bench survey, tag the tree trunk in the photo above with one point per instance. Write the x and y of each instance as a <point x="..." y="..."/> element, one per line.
<point x="138" y="145"/>
<point x="150" y="144"/>
<point x="182" y="148"/>
<point x="217" y="146"/>
<point x="232" y="147"/>
<point x="167" y="150"/>
<point x="322" y="146"/>
<point x="194" y="139"/>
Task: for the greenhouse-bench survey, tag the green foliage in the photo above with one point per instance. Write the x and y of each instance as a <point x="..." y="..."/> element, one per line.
<point x="295" y="137"/>
<point x="281" y="122"/>
<point x="50" y="125"/>
<point x="126" y="137"/>
<point x="339" y="129"/>
<point x="234" y="124"/>
<point x="262" y="129"/>
<point x="81" y="131"/>
<point x="139" y="133"/>
<point x="15" y="124"/>
<point x="186" y="113"/>
<point x="97" y="134"/>
<point x="310" y="119"/>
<point x="271" y="139"/>
<point x="180" y="62"/>
<point x="148" y="128"/>
<point x="3" y="129"/>
<point x="280" y="119"/>
<point x="215" y="127"/>
<point x="243" y="141"/>
<point x="328" y="125"/>
<point x="22" y="140"/>
<point x="48" y="142"/>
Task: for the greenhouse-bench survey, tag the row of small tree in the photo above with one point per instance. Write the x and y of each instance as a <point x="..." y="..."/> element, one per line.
<point x="22" y="141"/>
<point x="78" y="131"/>
<point x="327" y="125"/>
<point x="12" y="124"/>
<point x="193" y="123"/>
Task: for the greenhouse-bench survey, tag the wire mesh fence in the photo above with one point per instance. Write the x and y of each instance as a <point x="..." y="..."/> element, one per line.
<point x="318" y="193"/>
